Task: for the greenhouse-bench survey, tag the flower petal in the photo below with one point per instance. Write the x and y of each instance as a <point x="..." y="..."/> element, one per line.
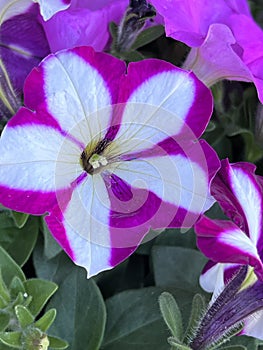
<point x="240" y="195"/>
<point x="36" y="160"/>
<point x="188" y="21"/>
<point x="82" y="227"/>
<point x="253" y="325"/>
<point x="217" y="58"/>
<point x="224" y="242"/>
<point x="48" y="9"/>
<point x="12" y="9"/>
<point x="74" y="84"/>
<point x="179" y="179"/>
<point x="165" y="98"/>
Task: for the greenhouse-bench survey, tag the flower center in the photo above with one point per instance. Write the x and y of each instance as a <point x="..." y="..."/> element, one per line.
<point x="92" y="158"/>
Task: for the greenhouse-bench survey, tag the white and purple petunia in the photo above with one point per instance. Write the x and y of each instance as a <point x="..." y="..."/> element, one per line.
<point x="239" y="241"/>
<point x="108" y="153"/>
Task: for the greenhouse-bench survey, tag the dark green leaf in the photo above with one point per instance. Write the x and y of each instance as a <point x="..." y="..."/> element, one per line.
<point x="4" y="293"/>
<point x="177" y="266"/>
<point x="79" y="302"/>
<point x="41" y="291"/>
<point x="12" y="238"/>
<point x="176" y="237"/>
<point x="4" y="320"/>
<point x="20" y="218"/>
<point x="9" y="267"/>
<point x="132" y="56"/>
<point x="147" y="36"/>
<point x="24" y="316"/>
<point x="171" y="314"/>
<point x="233" y="347"/>
<point x="134" y="320"/>
<point x="51" y="247"/>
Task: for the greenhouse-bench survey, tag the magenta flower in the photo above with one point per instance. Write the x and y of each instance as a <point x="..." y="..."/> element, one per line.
<point x="108" y="155"/>
<point x="226" y="42"/>
<point x="23" y="45"/>
<point x="84" y="23"/>
<point x="235" y="242"/>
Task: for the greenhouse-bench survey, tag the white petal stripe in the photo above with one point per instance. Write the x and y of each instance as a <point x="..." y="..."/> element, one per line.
<point x="75" y="91"/>
<point x="162" y="103"/>
<point x="250" y="199"/>
<point x="86" y="221"/>
<point x="31" y="158"/>
<point x="173" y="178"/>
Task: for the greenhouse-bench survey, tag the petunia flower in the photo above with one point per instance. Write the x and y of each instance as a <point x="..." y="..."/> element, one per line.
<point x="85" y="22"/>
<point x="108" y="154"/>
<point x="238" y="241"/>
<point x="226" y="42"/>
<point x="23" y="45"/>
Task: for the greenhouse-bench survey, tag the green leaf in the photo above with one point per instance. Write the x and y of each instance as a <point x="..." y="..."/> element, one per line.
<point x="131" y="56"/>
<point x="9" y="267"/>
<point x="20" y="219"/>
<point x="134" y="320"/>
<point x="176" y="237"/>
<point x="147" y="36"/>
<point x="4" y="293"/>
<point x="233" y="347"/>
<point x="171" y="314"/>
<point x="177" y="266"/>
<point x="16" y="286"/>
<point x="57" y="343"/>
<point x="198" y="307"/>
<point x="46" y="320"/>
<point x="176" y="345"/>
<point x="41" y="291"/>
<point x="12" y="339"/>
<point x="51" y="247"/>
<point x="79" y="302"/>
<point x="4" y="321"/>
<point x="24" y="316"/>
<point x="12" y="238"/>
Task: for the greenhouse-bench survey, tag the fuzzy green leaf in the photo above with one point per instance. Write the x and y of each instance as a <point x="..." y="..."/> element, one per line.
<point x="12" y="339"/>
<point x="46" y="320"/>
<point x="41" y="291"/>
<point x="177" y="345"/>
<point x="24" y="316"/>
<point x="57" y="343"/>
<point x="198" y="306"/>
<point x="171" y="314"/>
<point x="16" y="286"/>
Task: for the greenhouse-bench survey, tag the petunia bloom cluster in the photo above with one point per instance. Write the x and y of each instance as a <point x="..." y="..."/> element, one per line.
<point x="108" y="154"/>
